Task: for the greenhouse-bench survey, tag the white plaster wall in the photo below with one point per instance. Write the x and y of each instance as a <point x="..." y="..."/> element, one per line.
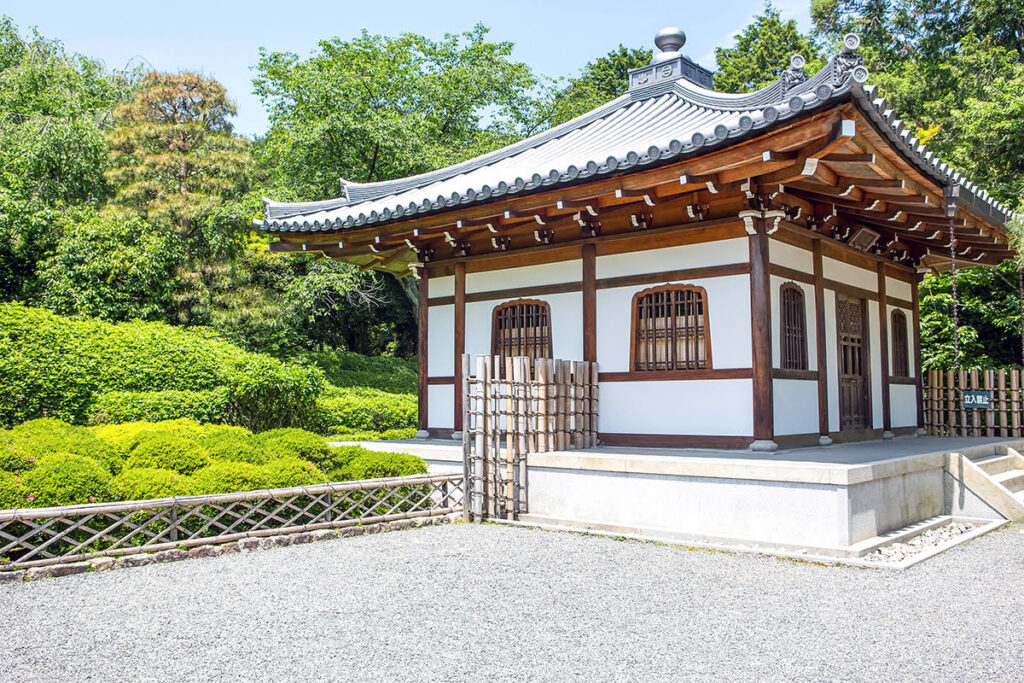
<point x="876" y="364"/>
<point x="719" y="253"/>
<point x="566" y="324"/>
<point x="903" y="405"/>
<point x="721" y="407"/>
<point x="441" y="286"/>
<point x="769" y="512"/>
<point x="898" y="288"/>
<point x="728" y="317"/>
<point x="525" y="276"/>
<point x="441" y="406"/>
<point x="811" y="322"/>
<point x="790" y="256"/>
<point x="441" y="344"/>
<point x="851" y="275"/>
<point x="832" y="360"/>
<point x="796" y="406"/>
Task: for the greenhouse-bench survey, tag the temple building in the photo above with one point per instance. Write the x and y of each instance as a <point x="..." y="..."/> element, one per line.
<point x="744" y="268"/>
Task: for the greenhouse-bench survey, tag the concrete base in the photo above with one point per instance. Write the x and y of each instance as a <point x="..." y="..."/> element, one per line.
<point x="824" y="440"/>
<point x="764" y="446"/>
<point x="457" y="436"/>
<point x="423" y="434"/>
<point x="888" y="436"/>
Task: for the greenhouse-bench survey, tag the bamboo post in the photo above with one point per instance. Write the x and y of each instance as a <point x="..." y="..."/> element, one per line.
<point x="1015" y="402"/>
<point x="990" y="414"/>
<point x="584" y="368"/>
<point x="577" y="405"/>
<point x="1003" y="427"/>
<point x="595" y="402"/>
<point x="950" y="404"/>
<point x="559" y="406"/>
<point x="929" y="415"/>
<point x="482" y="389"/>
<point x="961" y="385"/>
<point x="542" y="404"/>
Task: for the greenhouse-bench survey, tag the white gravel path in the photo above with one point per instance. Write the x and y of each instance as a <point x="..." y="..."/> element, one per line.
<point x="459" y="602"/>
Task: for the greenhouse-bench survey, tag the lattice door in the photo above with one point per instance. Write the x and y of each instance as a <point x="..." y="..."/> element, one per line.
<point x="854" y="407"/>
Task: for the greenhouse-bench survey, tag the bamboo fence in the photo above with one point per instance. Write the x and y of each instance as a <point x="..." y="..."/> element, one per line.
<point x="45" y="536"/>
<point x="514" y="407"/>
<point x="946" y="415"/>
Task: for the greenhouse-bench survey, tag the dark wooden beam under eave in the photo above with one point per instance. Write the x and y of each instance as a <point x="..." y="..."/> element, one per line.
<point x="819" y="329"/>
<point x="589" y="302"/>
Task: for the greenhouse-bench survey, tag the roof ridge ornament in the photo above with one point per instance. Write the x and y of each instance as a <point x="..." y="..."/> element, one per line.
<point x="849" y="64"/>
<point x="795" y="74"/>
<point x="669" y="64"/>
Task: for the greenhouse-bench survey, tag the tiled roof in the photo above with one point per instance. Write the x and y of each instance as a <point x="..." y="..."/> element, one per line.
<point x="667" y="120"/>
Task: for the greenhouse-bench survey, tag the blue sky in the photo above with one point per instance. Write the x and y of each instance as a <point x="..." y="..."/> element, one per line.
<point x="221" y="38"/>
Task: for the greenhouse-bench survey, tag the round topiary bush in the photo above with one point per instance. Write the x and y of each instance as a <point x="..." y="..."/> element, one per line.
<point x="66" y="479"/>
<point x="13" y="493"/>
<point x="14" y="458"/>
<point x="374" y="465"/>
<point x="144" y="483"/>
<point x="45" y="436"/>
<point x="294" y="443"/>
<point x="285" y="472"/>
<point x="234" y="447"/>
<point x="229" y="477"/>
<point x="169" y="451"/>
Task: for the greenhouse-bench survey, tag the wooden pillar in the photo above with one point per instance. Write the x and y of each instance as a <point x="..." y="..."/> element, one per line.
<point x="883" y="339"/>
<point x="589" y="302"/>
<point x="421" y="349"/>
<point x="761" y="332"/>
<point x="460" y="337"/>
<point x="918" y="380"/>
<point x="820" y="346"/>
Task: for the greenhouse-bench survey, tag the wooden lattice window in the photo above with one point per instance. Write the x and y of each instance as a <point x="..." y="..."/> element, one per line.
<point x="670" y="329"/>
<point x="900" y="347"/>
<point x="522" y="328"/>
<point x="794" y="327"/>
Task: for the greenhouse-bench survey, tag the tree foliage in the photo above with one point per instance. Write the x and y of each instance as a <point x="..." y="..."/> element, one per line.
<point x="761" y="52"/>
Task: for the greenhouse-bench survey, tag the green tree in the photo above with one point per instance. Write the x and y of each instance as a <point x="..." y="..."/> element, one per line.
<point x="54" y="109"/>
<point x="600" y="81"/>
<point x="761" y="52"/>
<point x="173" y="157"/>
<point x="112" y="267"/>
<point x="378" y="107"/>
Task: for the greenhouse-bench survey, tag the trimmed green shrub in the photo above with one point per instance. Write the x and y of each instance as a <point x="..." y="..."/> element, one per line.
<point x="153" y="406"/>
<point x="66" y="479"/>
<point x="45" y="436"/>
<point x="349" y="369"/>
<point x="355" y="462"/>
<point x="167" y="450"/>
<point x="294" y="443"/>
<point x="148" y="482"/>
<point x="286" y="472"/>
<point x="14" y="458"/>
<point x="60" y="367"/>
<point x="369" y="410"/>
<point x="13" y="493"/>
<point x="229" y="477"/>
<point x="234" y="447"/>
<point x="389" y="435"/>
<point x="124" y="437"/>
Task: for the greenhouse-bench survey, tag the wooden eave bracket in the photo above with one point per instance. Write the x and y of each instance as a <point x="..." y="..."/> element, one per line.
<point x="770" y="218"/>
<point x="709" y="182"/>
<point x="647" y="198"/>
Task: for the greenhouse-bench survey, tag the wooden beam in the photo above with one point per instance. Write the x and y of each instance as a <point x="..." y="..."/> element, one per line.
<point x="423" y="339"/>
<point x="460" y="338"/>
<point x="819" y="331"/>
<point x="883" y="336"/>
<point x="916" y="315"/>
<point x="761" y="335"/>
<point x="589" y="302"/>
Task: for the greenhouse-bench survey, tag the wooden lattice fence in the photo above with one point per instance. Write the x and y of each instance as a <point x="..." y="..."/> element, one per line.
<point x="946" y="415"/>
<point x="517" y="406"/>
<point x="46" y="536"/>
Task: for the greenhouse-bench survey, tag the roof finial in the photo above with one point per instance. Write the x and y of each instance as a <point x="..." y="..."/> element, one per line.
<point x="668" y="40"/>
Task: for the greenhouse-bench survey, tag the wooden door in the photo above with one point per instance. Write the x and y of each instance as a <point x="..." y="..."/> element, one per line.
<point x="854" y="380"/>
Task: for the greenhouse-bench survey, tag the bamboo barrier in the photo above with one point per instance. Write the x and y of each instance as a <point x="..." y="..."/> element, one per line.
<point x="516" y="406"/>
<point x="32" y="537"/>
<point x="947" y="415"/>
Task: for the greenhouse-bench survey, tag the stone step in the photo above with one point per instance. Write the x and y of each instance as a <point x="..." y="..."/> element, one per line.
<point x="1012" y="480"/>
<point x="998" y="464"/>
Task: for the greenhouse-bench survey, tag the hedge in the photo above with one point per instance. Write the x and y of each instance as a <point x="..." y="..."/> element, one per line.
<point x="66" y="479"/>
<point x="148" y="482"/>
<point x="167" y="450"/>
<point x="349" y="369"/>
<point x="114" y="407"/>
<point x="365" y="409"/>
<point x="56" y="366"/>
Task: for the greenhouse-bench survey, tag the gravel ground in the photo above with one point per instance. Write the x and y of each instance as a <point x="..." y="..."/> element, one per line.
<point x="491" y="602"/>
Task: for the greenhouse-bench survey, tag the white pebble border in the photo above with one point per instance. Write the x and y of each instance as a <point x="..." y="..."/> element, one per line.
<point x="924" y="542"/>
<point x="102" y="564"/>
